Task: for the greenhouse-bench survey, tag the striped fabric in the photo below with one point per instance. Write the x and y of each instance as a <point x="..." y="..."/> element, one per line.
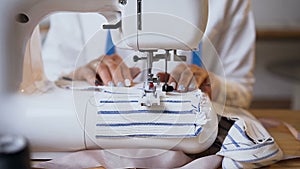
<point x="247" y="144"/>
<point x="120" y="114"/>
<point x="242" y="140"/>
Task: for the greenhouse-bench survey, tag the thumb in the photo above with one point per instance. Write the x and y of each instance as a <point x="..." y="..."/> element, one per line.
<point x="163" y="76"/>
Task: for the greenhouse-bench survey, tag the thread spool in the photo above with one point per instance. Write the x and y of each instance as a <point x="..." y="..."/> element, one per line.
<point x="14" y="152"/>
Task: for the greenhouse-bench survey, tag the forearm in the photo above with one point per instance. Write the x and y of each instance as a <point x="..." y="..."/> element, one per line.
<point x="230" y="92"/>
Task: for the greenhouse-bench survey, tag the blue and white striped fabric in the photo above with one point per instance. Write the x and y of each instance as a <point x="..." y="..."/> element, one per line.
<point x="121" y="115"/>
<point x="247" y="144"/>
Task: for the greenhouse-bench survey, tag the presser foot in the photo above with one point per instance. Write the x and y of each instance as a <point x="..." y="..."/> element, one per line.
<point x="151" y="99"/>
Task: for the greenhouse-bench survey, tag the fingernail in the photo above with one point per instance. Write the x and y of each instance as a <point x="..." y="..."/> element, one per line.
<point x="173" y="84"/>
<point x="120" y="84"/>
<point x="127" y="83"/>
<point x="181" y="88"/>
<point x="111" y="84"/>
<point x="192" y="86"/>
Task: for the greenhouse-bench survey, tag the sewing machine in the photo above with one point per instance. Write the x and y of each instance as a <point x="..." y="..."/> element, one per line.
<point x="144" y="25"/>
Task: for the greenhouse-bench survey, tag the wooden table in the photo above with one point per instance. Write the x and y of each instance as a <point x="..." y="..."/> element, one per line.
<point x="283" y="137"/>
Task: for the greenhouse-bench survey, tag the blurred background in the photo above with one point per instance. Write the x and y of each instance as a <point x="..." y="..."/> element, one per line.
<point x="277" y="54"/>
<point x="277" y="68"/>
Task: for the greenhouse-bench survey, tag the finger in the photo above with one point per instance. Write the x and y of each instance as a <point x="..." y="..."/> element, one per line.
<point x="104" y="74"/>
<point x="163" y="76"/>
<point x="172" y="82"/>
<point x="115" y="72"/>
<point x="126" y="75"/>
<point x="185" y="79"/>
<point x="91" y="79"/>
<point x="206" y="87"/>
<point x="193" y="84"/>
<point x="124" y="69"/>
<point x="134" y="71"/>
<point x="200" y="74"/>
<point x="176" y="73"/>
<point x="202" y="79"/>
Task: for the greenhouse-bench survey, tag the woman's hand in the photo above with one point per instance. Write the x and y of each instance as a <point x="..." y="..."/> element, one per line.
<point x="188" y="77"/>
<point x="106" y="70"/>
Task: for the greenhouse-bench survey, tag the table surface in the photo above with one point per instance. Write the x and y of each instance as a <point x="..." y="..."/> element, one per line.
<point x="281" y="134"/>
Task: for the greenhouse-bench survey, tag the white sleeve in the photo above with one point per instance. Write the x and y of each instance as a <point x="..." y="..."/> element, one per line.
<point x="232" y="33"/>
<point x="72" y="41"/>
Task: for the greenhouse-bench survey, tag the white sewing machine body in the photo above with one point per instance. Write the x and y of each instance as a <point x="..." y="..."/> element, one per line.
<point x="49" y="120"/>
